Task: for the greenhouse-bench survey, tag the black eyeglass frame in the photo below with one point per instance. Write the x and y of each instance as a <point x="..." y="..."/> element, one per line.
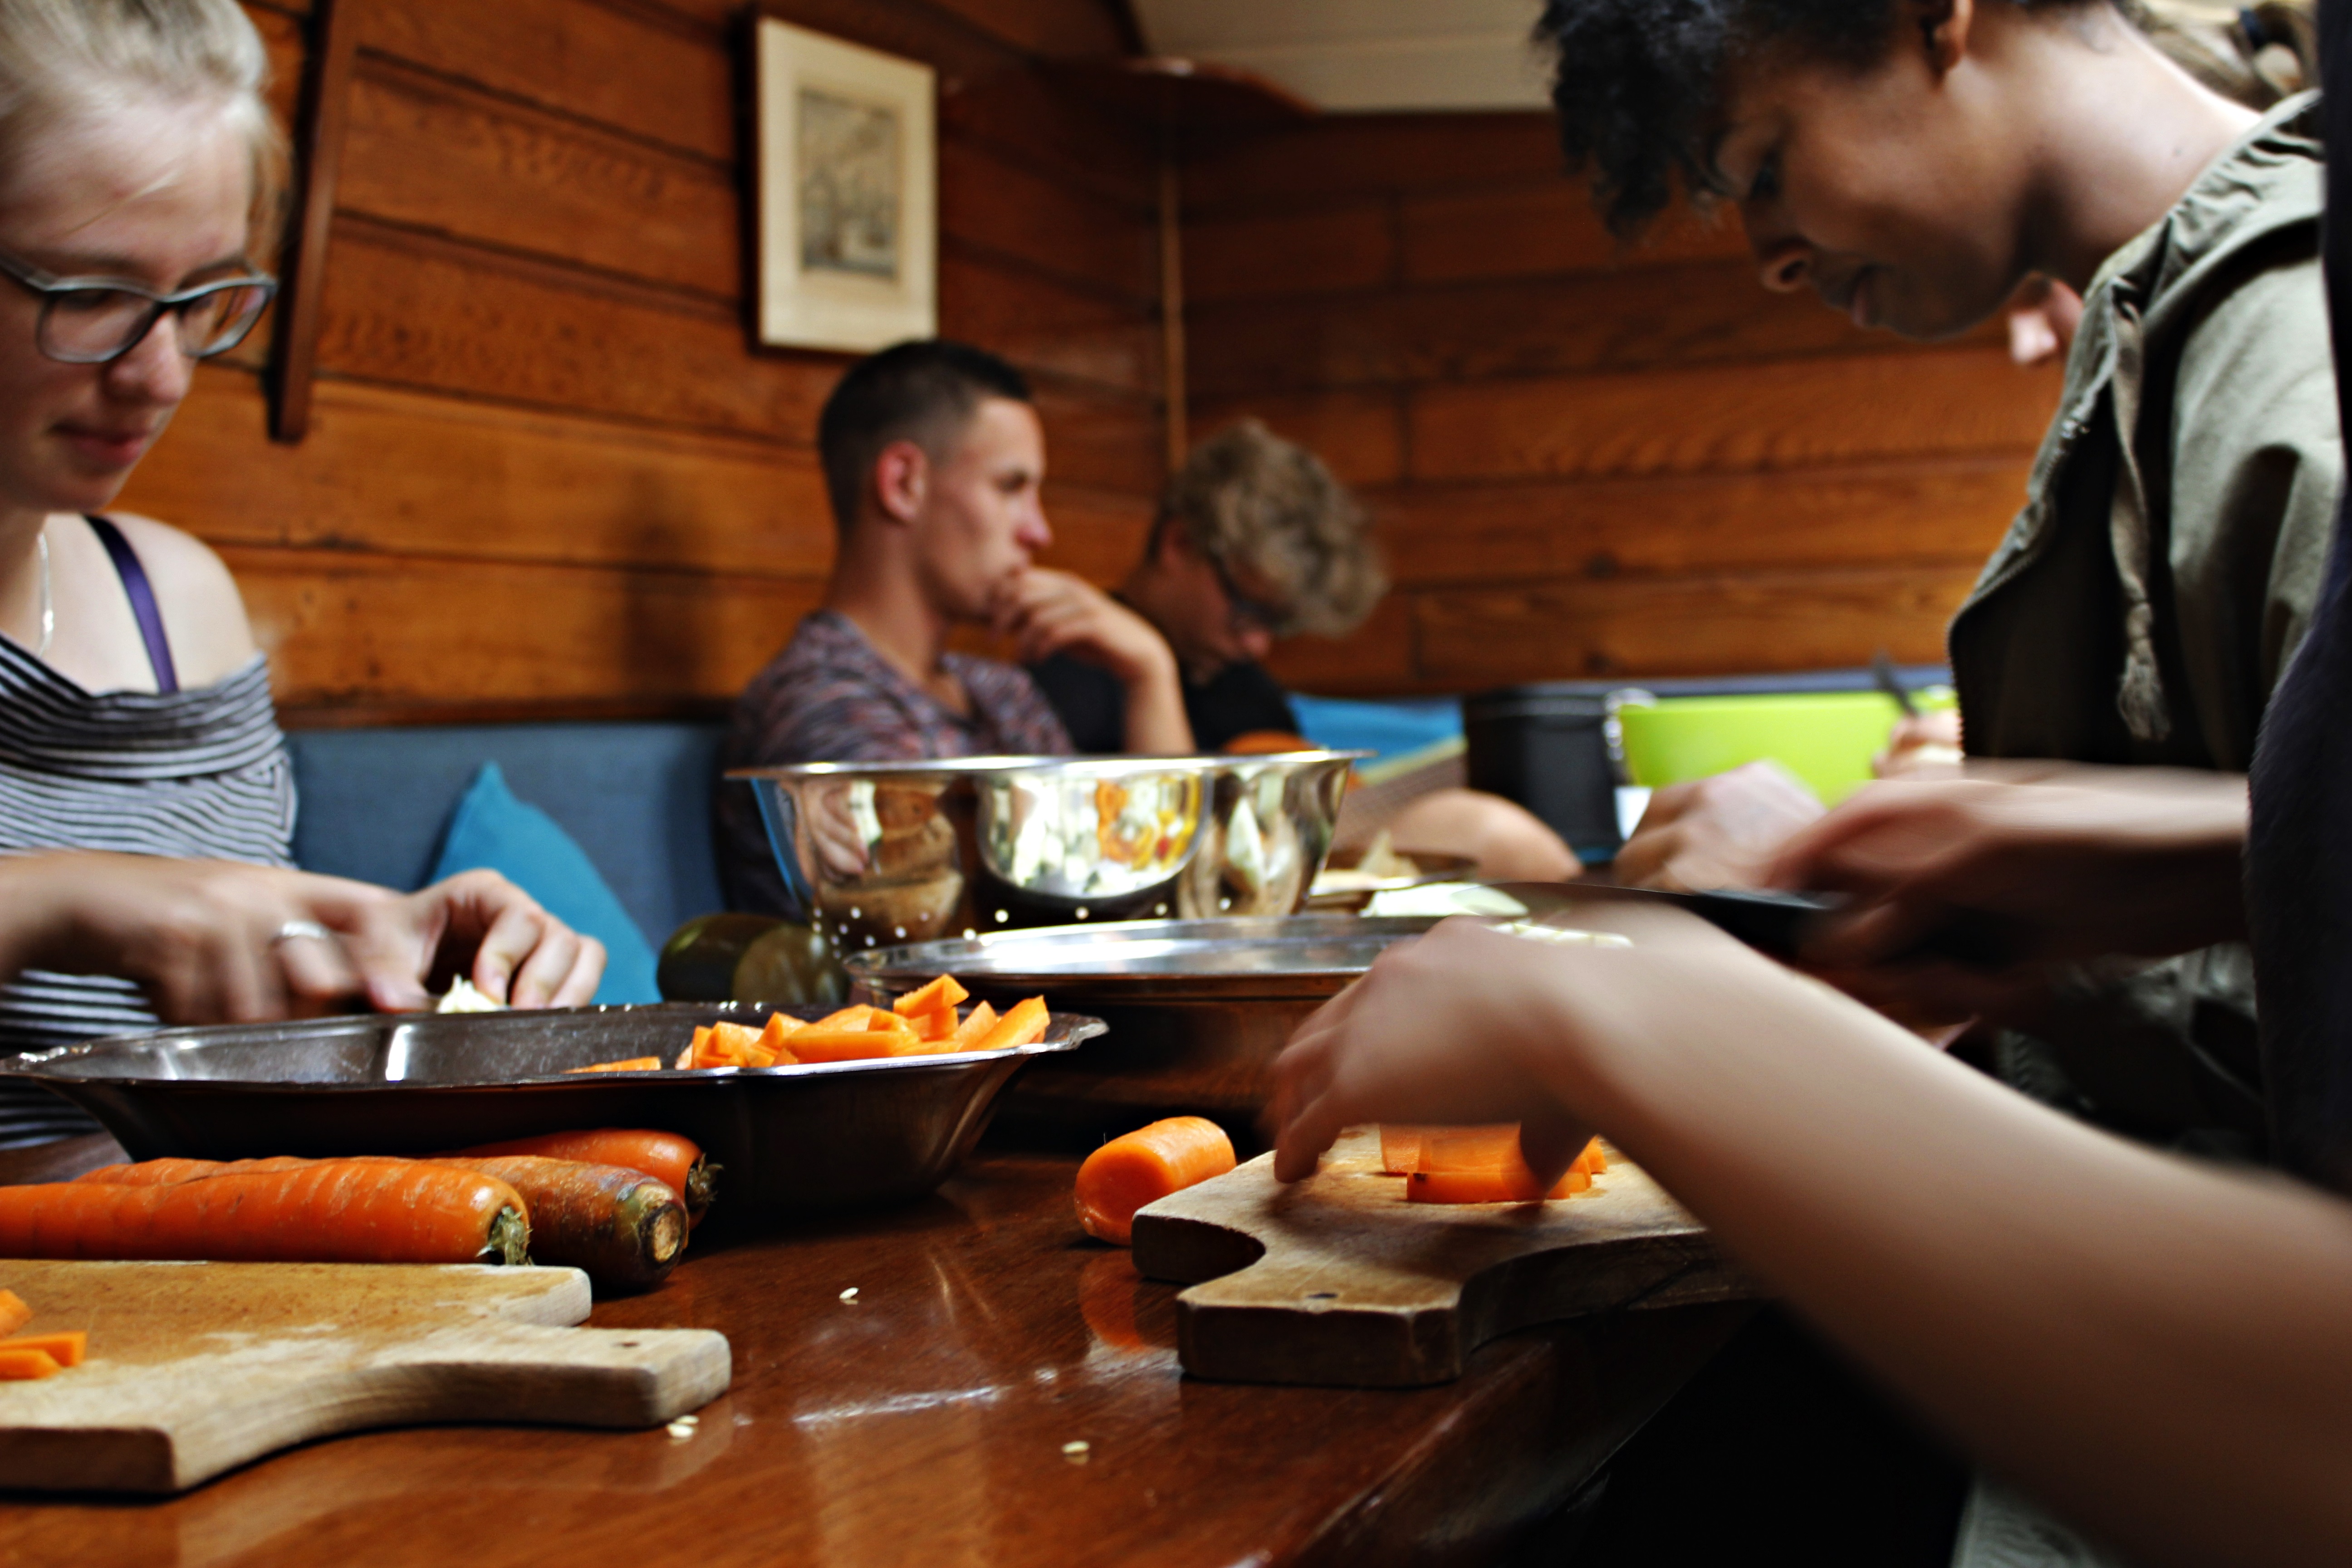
<point x="47" y="288"/>
<point x="1243" y="610"/>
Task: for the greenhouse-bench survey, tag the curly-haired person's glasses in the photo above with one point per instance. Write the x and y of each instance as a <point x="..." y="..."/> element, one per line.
<point x="1245" y="614"/>
<point x="97" y="320"/>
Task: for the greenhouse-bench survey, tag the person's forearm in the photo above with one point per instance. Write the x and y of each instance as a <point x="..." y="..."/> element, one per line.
<point x="2163" y="1350"/>
<point x="1156" y="724"/>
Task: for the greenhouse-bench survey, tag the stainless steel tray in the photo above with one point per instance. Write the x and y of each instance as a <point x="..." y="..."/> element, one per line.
<point x="1197" y="1010"/>
<point x="818" y="1137"/>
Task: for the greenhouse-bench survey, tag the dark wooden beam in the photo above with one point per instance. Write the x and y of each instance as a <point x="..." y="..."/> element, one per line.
<point x="318" y="154"/>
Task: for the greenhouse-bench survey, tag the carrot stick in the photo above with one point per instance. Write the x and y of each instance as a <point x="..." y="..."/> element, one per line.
<point x="1148" y="1164"/>
<point x="972" y="1030"/>
<point x="328" y="1211"/>
<point x="1024" y="1023"/>
<point x="880" y="1023"/>
<point x="776" y="1038"/>
<point x="1483" y="1165"/>
<point x="852" y="1017"/>
<point x="634" y="1064"/>
<point x="14" y="1314"/>
<point x="942" y="995"/>
<point x="18" y="1366"/>
<point x="67" y="1347"/>
<point x="1400" y="1149"/>
<point x="815" y="1045"/>
<point x="625" y="1229"/>
<point x="675" y="1161"/>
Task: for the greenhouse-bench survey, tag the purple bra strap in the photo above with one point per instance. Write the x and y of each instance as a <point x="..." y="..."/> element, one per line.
<point x="141" y="594"/>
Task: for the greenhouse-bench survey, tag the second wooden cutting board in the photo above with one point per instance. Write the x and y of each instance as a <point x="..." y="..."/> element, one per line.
<point x="197" y="1367"/>
<point x="1339" y="1281"/>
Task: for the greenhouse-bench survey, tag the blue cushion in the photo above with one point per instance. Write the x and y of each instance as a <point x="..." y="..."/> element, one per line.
<point x="492" y="829"/>
<point x="1391" y="728"/>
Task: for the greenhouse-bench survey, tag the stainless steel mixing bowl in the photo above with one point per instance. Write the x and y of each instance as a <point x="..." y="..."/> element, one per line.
<point x="878" y="853"/>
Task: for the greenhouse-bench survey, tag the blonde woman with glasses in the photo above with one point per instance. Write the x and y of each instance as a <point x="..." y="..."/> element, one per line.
<point x="141" y="182"/>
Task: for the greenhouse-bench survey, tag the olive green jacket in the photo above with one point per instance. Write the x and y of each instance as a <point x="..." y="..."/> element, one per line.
<point x="2165" y="566"/>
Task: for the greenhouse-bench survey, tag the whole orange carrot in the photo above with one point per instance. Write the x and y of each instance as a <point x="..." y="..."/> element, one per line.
<point x="625" y="1229"/>
<point x="665" y="1157"/>
<point x="329" y="1211"/>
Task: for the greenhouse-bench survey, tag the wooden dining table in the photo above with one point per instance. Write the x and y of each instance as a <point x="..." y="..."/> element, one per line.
<point x="967" y="1379"/>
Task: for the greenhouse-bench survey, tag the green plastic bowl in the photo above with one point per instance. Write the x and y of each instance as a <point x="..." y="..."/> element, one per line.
<point x="1827" y="739"/>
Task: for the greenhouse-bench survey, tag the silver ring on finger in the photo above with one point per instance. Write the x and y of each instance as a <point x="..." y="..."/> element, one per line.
<point x="308" y="931"/>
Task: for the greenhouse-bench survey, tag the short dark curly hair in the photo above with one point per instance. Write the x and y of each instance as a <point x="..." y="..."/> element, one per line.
<point x="1636" y="81"/>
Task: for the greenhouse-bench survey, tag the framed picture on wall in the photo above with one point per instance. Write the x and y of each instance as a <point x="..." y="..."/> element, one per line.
<point x="845" y="174"/>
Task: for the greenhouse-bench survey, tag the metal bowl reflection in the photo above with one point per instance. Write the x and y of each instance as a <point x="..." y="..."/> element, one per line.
<point x="878" y="853"/>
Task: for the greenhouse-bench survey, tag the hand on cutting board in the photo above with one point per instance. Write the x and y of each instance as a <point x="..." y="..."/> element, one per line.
<point x="2078" y="863"/>
<point x="207" y="939"/>
<point x="1718" y="832"/>
<point x="1473" y="1024"/>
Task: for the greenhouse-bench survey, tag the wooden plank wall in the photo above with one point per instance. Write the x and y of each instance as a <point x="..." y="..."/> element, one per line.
<point x="546" y="474"/>
<point x="1582" y="463"/>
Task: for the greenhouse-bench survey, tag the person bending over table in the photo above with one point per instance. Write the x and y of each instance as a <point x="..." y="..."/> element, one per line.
<point x="1911" y="161"/>
<point x="140" y="175"/>
<point x="1255" y="540"/>
<point x="933" y="462"/>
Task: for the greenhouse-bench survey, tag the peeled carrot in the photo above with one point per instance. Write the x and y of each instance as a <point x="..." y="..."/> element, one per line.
<point x="1400" y="1149"/>
<point x="942" y="995"/>
<point x="815" y="1045"/>
<point x="776" y="1038"/>
<point x="1024" y="1023"/>
<point x="67" y="1347"/>
<point x="329" y="1211"/>
<point x="1144" y="1165"/>
<point x="972" y="1030"/>
<point x="634" y="1064"/>
<point x="14" y="1314"/>
<point x="1483" y="1165"/>
<point x="880" y="1023"/>
<point x="852" y="1017"/>
<point x="625" y="1229"/>
<point x="676" y="1161"/>
<point x="18" y="1366"/>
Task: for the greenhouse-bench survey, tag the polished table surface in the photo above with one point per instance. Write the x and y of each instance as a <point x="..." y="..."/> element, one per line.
<point x="926" y="1420"/>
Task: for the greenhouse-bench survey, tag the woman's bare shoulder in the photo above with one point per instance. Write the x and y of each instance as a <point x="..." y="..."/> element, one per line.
<point x="204" y="613"/>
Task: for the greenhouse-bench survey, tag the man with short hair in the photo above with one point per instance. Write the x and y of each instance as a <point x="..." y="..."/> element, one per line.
<point x="933" y="460"/>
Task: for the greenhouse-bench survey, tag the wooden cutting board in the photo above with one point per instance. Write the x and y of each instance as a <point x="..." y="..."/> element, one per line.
<point x="1338" y="1280"/>
<point x="196" y="1368"/>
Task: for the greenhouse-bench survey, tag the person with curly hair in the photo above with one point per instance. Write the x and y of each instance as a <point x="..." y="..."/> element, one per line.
<point x="1912" y="161"/>
<point x="1255" y="540"/>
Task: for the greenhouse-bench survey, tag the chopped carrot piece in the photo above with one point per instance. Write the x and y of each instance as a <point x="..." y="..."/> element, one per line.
<point x="634" y="1064"/>
<point x="971" y="1031"/>
<point x="852" y="1017"/>
<point x="942" y="995"/>
<point x="67" y="1347"/>
<point x="1024" y="1023"/>
<point x="1143" y="1166"/>
<point x="737" y="1041"/>
<point x="17" y="1366"/>
<point x="774" y="1040"/>
<point x="1492" y="1187"/>
<point x="933" y="1027"/>
<point x="14" y="1314"/>
<point x="881" y="1023"/>
<point x="1468" y="1148"/>
<point x="814" y="1044"/>
<point x="1401" y="1149"/>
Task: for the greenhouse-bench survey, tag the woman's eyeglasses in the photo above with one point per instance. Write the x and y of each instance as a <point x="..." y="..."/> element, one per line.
<point x="96" y="320"/>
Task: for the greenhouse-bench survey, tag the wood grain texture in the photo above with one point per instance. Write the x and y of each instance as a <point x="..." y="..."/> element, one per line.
<point x="1549" y="226"/>
<point x="389" y="471"/>
<point x="1339" y="1281"/>
<point x="196" y="1368"/>
<point x="925" y="1423"/>
<point x="345" y="627"/>
<point x="1955" y="403"/>
<point x="1289" y="253"/>
<point x="1360" y="154"/>
<point x="463" y="163"/>
<point x="1360" y="433"/>
<point x="318" y="138"/>
<point x="988" y="201"/>
<point x="1820" y="619"/>
<point x="1939" y="513"/>
<point x="1707" y="312"/>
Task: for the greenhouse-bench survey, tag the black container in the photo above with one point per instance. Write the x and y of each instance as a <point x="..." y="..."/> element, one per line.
<point x="1548" y="745"/>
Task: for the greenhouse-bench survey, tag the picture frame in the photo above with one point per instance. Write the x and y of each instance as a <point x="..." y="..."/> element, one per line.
<point x="844" y="208"/>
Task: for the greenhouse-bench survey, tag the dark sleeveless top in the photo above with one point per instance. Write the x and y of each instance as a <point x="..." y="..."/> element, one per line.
<point x="193" y="774"/>
<point x="2299" y="852"/>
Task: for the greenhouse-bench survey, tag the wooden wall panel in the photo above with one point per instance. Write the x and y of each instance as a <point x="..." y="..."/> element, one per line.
<point x="548" y="473"/>
<point x="1584" y="457"/>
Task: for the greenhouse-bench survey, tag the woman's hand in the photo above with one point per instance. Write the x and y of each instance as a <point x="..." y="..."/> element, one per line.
<point x="212" y="942"/>
<point x="479" y="925"/>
